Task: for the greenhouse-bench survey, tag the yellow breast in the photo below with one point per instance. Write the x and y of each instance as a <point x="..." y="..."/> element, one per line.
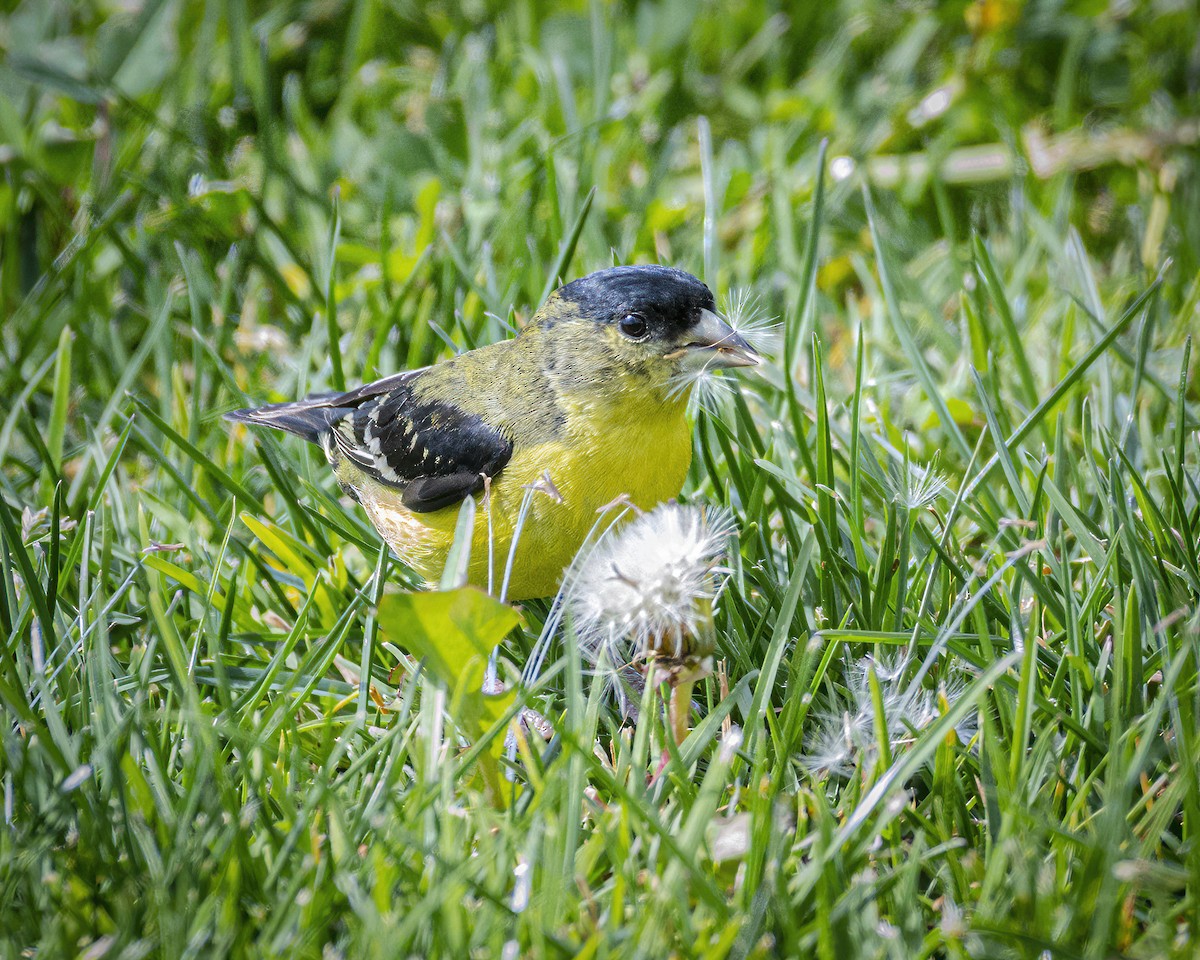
<point x="607" y="452"/>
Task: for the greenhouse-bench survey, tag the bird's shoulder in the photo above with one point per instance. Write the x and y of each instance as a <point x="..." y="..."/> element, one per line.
<point x="410" y="436"/>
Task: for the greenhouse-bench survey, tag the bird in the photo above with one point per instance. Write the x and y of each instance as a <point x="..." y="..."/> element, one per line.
<point x="586" y="406"/>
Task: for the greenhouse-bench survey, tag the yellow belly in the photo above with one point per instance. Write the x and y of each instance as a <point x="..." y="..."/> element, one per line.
<point x="644" y="460"/>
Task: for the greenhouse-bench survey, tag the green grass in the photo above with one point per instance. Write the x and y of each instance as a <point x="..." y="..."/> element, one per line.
<point x="219" y="739"/>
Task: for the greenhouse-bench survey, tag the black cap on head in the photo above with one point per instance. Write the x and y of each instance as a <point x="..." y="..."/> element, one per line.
<point x="668" y="300"/>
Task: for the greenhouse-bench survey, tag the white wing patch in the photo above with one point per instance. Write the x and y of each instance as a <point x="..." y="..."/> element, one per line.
<point x="370" y="459"/>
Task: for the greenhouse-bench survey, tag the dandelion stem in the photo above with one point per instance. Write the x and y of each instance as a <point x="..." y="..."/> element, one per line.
<point x="681" y="709"/>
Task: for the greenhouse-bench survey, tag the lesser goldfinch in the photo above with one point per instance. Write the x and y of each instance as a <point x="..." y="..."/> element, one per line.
<point x="592" y="394"/>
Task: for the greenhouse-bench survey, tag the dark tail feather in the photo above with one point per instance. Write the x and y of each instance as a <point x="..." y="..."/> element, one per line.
<point x="305" y="418"/>
<point x="313" y="416"/>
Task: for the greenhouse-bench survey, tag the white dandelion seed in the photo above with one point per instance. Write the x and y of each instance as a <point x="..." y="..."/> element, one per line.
<point x="707" y="386"/>
<point x="844" y="737"/>
<point x="833" y="750"/>
<point x="744" y="311"/>
<point x="915" y="486"/>
<point x="704" y="388"/>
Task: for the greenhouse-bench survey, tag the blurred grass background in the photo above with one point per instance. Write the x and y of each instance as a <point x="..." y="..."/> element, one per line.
<point x="210" y="748"/>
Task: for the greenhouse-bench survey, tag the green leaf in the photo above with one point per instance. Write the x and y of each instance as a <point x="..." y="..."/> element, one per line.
<point x="454" y="632"/>
<point x="448" y="628"/>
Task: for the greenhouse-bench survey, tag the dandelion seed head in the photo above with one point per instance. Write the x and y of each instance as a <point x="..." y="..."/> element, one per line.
<point x="650" y="586"/>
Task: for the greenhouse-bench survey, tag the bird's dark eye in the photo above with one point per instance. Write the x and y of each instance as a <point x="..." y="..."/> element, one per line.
<point x="633" y="326"/>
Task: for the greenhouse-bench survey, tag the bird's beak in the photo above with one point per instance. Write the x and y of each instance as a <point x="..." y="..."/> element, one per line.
<point x="714" y="345"/>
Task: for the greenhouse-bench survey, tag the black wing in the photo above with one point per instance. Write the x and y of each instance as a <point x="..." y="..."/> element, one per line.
<point x="432" y="451"/>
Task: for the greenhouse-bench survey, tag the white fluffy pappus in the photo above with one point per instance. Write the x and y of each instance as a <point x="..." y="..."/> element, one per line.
<point x="843" y="735"/>
<point x="742" y="310"/>
<point x="912" y="485"/>
<point x="648" y="587"/>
